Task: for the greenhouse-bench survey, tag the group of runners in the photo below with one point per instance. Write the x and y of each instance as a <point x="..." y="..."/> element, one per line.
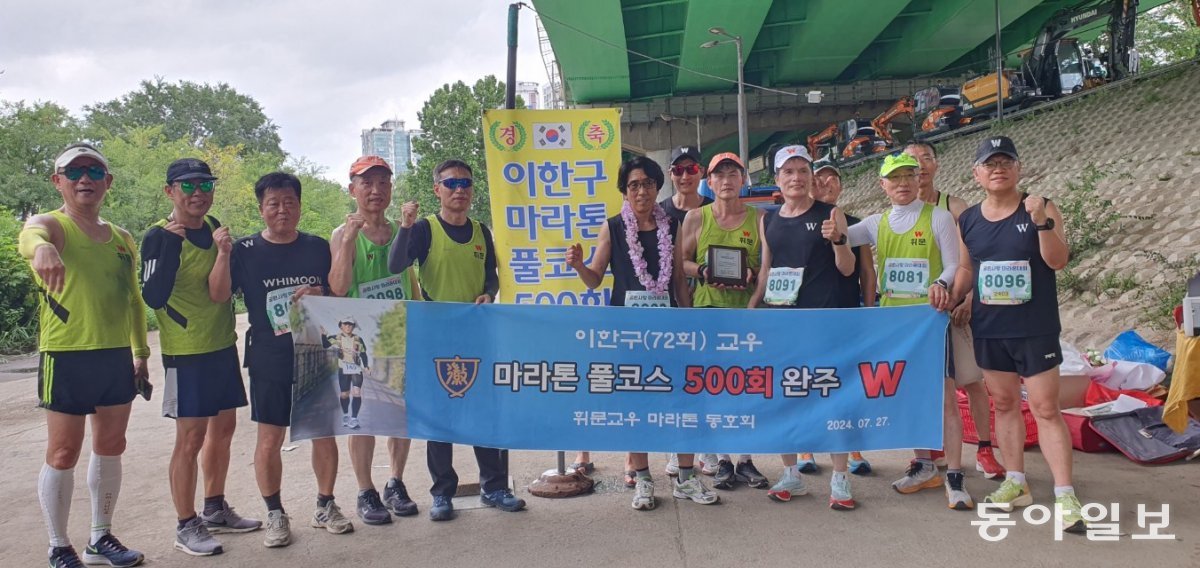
<point x="991" y="265"/>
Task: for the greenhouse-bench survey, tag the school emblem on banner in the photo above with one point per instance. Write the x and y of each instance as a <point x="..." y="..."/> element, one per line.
<point x="457" y="374"/>
<point x="507" y="136"/>
<point x="597" y="135"/>
<point x="552" y="136"/>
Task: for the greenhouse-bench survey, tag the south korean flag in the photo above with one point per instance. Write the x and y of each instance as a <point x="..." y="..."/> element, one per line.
<point x="552" y="136"/>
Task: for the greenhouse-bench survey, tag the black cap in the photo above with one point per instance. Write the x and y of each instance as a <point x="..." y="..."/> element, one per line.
<point x="685" y="152"/>
<point x="993" y="145"/>
<point x="189" y="169"/>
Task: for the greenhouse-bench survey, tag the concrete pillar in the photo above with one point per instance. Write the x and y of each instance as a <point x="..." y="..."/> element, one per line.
<point x="663" y="158"/>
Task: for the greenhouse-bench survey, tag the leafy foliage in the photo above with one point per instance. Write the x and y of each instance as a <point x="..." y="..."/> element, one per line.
<point x="18" y="300"/>
<point x="1167" y="34"/>
<point x="31" y="136"/>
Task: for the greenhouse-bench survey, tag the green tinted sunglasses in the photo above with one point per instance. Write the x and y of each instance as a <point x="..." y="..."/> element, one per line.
<point x="190" y="187"/>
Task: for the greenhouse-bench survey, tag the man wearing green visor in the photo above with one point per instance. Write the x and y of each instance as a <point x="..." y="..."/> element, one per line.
<point x="915" y="243"/>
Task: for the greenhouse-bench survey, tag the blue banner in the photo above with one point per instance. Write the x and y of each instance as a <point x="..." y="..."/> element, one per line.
<point x="674" y="380"/>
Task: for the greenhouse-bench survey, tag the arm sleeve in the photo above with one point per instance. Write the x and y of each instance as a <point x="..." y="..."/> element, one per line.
<point x="362" y="353"/>
<point x="137" y="315"/>
<point x="411" y="244"/>
<point x="491" y="277"/>
<point x="160" y="264"/>
<point x="944" y="231"/>
<point x="863" y="232"/>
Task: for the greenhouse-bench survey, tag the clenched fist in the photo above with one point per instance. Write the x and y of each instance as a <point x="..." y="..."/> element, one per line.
<point x="408" y="214"/>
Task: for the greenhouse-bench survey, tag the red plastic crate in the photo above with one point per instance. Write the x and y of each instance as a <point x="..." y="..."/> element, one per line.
<point x="971" y="436"/>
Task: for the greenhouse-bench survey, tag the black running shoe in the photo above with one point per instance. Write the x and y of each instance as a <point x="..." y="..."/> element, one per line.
<point x="725" y="475"/>
<point x="748" y="473"/>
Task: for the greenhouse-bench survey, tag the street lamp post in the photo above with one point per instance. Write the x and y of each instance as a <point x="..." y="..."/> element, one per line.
<point x="743" y="143"/>
<point x="668" y="118"/>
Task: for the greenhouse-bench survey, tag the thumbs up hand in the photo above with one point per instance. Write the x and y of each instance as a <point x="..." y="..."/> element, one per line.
<point x="834" y="228"/>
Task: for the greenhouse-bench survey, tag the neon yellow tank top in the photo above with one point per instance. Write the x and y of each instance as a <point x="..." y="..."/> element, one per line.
<point x="918" y="243"/>
<point x="453" y="272"/>
<point x="100" y="306"/>
<point x="371" y="277"/>
<point x="190" y="323"/>
<point x="745" y="237"/>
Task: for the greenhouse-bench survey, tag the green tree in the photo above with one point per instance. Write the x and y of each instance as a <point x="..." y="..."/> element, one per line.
<point x="18" y="302"/>
<point x="452" y="121"/>
<point x="1167" y="34"/>
<point x="31" y="136"/>
<point x="198" y="113"/>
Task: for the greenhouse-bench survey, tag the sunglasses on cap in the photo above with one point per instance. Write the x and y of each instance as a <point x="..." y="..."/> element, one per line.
<point x="456" y="184"/>
<point x="74" y="173"/>
<point x="692" y="169"/>
<point x="190" y="187"/>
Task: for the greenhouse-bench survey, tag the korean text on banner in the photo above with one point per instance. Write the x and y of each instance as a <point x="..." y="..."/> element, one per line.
<point x="552" y="175"/>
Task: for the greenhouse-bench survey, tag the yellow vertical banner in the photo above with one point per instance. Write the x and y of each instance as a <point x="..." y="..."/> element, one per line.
<point x="552" y="176"/>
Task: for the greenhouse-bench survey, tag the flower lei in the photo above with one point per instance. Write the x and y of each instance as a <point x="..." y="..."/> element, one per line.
<point x="665" y="249"/>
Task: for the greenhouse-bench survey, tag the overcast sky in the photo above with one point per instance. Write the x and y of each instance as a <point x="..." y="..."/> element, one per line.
<point x="322" y="69"/>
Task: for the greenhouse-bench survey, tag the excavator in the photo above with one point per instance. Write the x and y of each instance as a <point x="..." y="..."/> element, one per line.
<point x="824" y="142"/>
<point x="938" y="109"/>
<point x="1056" y="65"/>
<point x="866" y="138"/>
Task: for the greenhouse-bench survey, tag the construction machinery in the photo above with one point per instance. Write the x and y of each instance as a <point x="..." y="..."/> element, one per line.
<point x="1056" y="65"/>
<point x="883" y="123"/>
<point x="937" y="110"/>
<point x="823" y="142"/>
<point x="860" y="138"/>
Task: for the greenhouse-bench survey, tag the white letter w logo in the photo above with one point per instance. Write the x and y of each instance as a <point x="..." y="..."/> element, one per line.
<point x="1023" y="227"/>
<point x="996" y="143"/>
<point x="811" y="226"/>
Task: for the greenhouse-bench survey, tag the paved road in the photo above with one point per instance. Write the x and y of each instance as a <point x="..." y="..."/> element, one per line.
<point x="319" y="414"/>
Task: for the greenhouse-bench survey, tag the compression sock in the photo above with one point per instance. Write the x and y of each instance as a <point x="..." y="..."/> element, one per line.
<point x="104" y="480"/>
<point x="55" y="487"/>
<point x="355" y="406"/>
<point x="345" y="405"/>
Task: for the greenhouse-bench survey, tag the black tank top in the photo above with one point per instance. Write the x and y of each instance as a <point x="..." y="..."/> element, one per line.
<point x="796" y="242"/>
<point x="851" y="296"/>
<point x="1011" y="238"/>
<point x="624" y="278"/>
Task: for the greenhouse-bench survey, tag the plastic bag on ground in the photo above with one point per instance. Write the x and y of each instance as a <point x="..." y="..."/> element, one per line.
<point x="1129" y="346"/>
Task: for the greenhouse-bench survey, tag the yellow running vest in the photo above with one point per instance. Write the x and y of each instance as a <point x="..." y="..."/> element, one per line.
<point x="190" y="323"/>
<point x="100" y="306"/>
<point x="744" y="237"/>
<point x="453" y="272"/>
<point x="918" y="243"/>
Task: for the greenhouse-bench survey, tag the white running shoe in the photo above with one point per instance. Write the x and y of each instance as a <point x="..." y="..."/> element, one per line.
<point x="788" y="486"/>
<point x="673" y="465"/>
<point x="643" y="495"/>
<point x="279" y="530"/>
<point x="708" y="463"/>
<point x="695" y="490"/>
<point x="330" y="518"/>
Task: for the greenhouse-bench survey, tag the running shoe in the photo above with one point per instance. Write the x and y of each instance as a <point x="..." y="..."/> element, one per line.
<point x="643" y="495"/>
<point x="354" y="425"/>
<point x="502" y="499"/>
<point x="807" y="464"/>
<point x="788" y="486"/>
<point x="395" y="498"/>
<point x="672" y="465"/>
<point x="442" y="509"/>
<point x="920" y="475"/>
<point x="1072" y="517"/>
<point x="345" y="420"/>
<point x="708" y="464"/>
<point x="859" y="464"/>
<point x="956" y="496"/>
<point x="1010" y="495"/>
<point x="725" y="475"/>
<point x="938" y="457"/>
<point x="985" y="463"/>
<point x="840" y="498"/>
<point x="746" y="472"/>
<point x="371" y="509"/>
<point x="194" y="539"/>
<point x="279" y="530"/>
<point x="226" y="520"/>
<point x="109" y="550"/>
<point x="65" y="557"/>
<point x="695" y="490"/>
<point x="330" y="518"/>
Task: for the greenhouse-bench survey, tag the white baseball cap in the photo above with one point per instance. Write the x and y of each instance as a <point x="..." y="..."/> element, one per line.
<point x="788" y="152"/>
<point x="76" y="151"/>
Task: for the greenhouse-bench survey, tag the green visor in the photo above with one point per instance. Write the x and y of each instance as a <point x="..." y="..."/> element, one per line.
<point x="896" y="161"/>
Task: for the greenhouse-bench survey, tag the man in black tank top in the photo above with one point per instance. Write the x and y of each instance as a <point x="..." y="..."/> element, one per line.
<point x="1012" y="245"/>
<point x="686" y="173"/>
<point x="639" y="245"/>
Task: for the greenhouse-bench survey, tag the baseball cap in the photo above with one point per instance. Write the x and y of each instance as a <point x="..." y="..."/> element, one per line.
<point x="826" y="164"/>
<point x="348" y="319"/>
<point x="685" y="152"/>
<point x="189" y="169"/>
<point x="788" y="152"/>
<point x="76" y="151"/>
<point x="725" y="156"/>
<point x="989" y="147"/>
<point x="896" y="161"/>
<point x="361" y="165"/>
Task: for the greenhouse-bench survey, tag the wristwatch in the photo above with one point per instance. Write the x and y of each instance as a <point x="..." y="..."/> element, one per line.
<point x="841" y="241"/>
<point x="942" y="283"/>
<point x="1048" y="226"/>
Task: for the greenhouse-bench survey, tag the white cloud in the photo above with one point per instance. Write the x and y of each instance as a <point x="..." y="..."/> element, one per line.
<point x="322" y="70"/>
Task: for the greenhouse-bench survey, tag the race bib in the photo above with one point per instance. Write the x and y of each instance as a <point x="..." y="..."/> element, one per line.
<point x="644" y="299"/>
<point x="1005" y="283"/>
<point x="906" y="278"/>
<point x="350" y="368"/>
<point x="279" y="306"/>
<point x="783" y="286"/>
<point x="390" y="288"/>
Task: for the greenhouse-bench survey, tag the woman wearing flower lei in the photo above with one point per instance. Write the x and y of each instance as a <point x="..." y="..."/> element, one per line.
<point x="639" y="245"/>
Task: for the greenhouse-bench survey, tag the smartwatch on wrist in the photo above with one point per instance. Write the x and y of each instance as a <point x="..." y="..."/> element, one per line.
<point x="1049" y="226"/>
